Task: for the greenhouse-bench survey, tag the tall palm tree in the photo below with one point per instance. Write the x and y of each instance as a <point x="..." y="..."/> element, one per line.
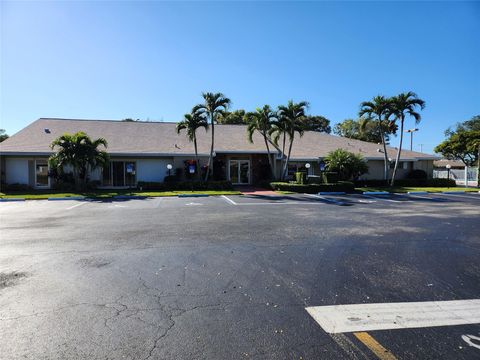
<point x="261" y="121"/>
<point x="402" y="105"/>
<point x="293" y="114"/>
<point x="80" y="152"/>
<point x="277" y="131"/>
<point x="378" y="110"/>
<point x="191" y="122"/>
<point x="214" y="104"/>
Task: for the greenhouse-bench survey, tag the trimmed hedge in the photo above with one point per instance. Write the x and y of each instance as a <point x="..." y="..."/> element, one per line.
<point x="185" y="185"/>
<point x="409" y="183"/>
<point x="312" y="188"/>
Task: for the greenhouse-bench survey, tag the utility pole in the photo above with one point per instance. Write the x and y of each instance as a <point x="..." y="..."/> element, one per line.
<point x="411" y="131"/>
<point x="478" y="167"/>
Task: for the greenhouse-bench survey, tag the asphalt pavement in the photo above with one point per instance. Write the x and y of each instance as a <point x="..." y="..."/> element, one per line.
<point x="232" y="277"/>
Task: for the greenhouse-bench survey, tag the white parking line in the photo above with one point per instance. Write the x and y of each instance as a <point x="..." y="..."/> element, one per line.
<point x="76" y="205"/>
<point x="386" y="316"/>
<point x="230" y="201"/>
<point x="380" y="198"/>
<point x="335" y="201"/>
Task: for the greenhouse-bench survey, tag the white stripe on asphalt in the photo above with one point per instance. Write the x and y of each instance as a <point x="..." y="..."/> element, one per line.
<point x="380" y="198"/>
<point x="325" y="199"/>
<point x="386" y="316"/>
<point x="227" y="199"/>
<point x="76" y="205"/>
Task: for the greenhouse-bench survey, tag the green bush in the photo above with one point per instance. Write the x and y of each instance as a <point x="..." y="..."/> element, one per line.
<point x="371" y="183"/>
<point x="151" y="185"/>
<point x="346" y="164"/>
<point x="18" y="187"/>
<point x="441" y="183"/>
<point x="417" y="174"/>
<point x="409" y="183"/>
<point x="330" y="177"/>
<point x="315" y="179"/>
<point x="312" y="188"/>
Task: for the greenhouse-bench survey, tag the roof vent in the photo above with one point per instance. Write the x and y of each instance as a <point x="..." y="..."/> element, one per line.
<point x="47" y="130"/>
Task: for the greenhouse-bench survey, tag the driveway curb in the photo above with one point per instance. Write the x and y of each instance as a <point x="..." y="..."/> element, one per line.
<point x="66" y="198"/>
<point x="192" y="195"/>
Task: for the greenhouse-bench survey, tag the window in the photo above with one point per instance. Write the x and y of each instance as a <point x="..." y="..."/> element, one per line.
<point x="119" y="173"/>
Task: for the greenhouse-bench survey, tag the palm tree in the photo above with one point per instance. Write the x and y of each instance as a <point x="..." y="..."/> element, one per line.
<point x="215" y="104"/>
<point x="279" y="129"/>
<point x="80" y="152"/>
<point x="402" y="105"/>
<point x="191" y="122"/>
<point x="378" y="110"/>
<point x="261" y="121"/>
<point x="293" y="115"/>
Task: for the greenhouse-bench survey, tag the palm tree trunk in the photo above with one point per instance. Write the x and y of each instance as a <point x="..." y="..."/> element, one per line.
<point x="285" y="170"/>
<point x="283" y="155"/>
<point x="196" y="154"/>
<point x="269" y="157"/>
<point x="398" y="152"/>
<point x="385" y="158"/>
<point x="210" y="159"/>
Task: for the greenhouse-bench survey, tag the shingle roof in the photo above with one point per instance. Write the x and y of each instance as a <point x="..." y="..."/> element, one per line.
<point x="153" y="138"/>
<point x="453" y="163"/>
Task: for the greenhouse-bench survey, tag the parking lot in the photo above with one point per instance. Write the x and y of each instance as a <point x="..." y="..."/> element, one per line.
<point x="237" y="277"/>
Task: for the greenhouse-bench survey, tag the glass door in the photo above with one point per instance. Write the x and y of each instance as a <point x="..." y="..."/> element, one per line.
<point x="129" y="173"/>
<point x="239" y="172"/>
<point x="41" y="173"/>
<point x="234" y="171"/>
<point x="244" y="171"/>
<point x="118" y="172"/>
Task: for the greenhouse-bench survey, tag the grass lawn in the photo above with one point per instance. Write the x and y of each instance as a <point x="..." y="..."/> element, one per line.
<point x="105" y="194"/>
<point x="401" y="189"/>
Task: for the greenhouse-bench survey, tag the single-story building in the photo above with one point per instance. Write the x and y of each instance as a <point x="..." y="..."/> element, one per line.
<point x="141" y="151"/>
<point x="454" y="164"/>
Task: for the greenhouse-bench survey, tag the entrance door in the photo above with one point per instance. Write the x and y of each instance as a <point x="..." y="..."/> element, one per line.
<point x="239" y="171"/>
<point x="41" y="174"/>
<point x="118" y="171"/>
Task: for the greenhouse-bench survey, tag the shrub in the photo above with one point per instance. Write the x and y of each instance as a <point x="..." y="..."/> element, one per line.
<point x="312" y="188"/>
<point x="346" y="164"/>
<point x="315" y="179"/>
<point x="330" y="177"/>
<point x="417" y="174"/>
<point x="18" y="187"/>
<point x="151" y="185"/>
<point x="170" y="179"/>
<point x="371" y="183"/>
<point x="409" y="183"/>
<point x="441" y="183"/>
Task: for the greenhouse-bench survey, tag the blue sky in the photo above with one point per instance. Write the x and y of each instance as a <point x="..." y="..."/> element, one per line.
<point x="152" y="60"/>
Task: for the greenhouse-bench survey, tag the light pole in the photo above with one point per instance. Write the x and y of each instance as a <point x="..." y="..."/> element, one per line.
<point x="411" y="131"/>
<point x="169" y="167"/>
<point x="448" y="166"/>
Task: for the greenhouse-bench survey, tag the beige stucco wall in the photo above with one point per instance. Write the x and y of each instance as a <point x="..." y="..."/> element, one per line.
<point x="425" y="165"/>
